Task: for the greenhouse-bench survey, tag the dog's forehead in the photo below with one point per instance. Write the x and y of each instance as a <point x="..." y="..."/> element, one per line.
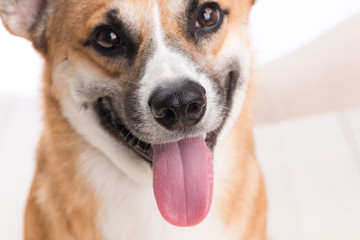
<point x="140" y="14"/>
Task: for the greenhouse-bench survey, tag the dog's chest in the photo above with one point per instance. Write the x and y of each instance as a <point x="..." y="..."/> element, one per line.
<point x="128" y="209"/>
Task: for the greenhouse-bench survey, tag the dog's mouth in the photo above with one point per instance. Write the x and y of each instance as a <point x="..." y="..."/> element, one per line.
<point x="113" y="124"/>
<point x="182" y="170"/>
<point x="104" y="109"/>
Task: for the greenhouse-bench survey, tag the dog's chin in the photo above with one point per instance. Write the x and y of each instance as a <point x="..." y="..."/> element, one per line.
<point x="123" y="134"/>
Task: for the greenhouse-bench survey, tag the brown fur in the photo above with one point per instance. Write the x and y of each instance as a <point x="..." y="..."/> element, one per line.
<point x="243" y="204"/>
<point x="60" y="206"/>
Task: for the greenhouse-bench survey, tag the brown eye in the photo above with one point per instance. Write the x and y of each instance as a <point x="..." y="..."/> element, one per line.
<point x="208" y="16"/>
<point x="107" y="38"/>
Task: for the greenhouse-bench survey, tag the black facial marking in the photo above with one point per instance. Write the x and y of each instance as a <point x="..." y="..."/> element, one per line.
<point x="191" y="9"/>
<point x="86" y="43"/>
<point x="112" y="18"/>
<point x="112" y="123"/>
<point x="231" y="84"/>
<point x="129" y="43"/>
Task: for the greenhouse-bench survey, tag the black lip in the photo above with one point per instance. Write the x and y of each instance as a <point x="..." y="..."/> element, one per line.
<point x="104" y="109"/>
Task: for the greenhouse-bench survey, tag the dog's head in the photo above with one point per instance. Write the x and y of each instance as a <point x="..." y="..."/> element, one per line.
<point x="161" y="80"/>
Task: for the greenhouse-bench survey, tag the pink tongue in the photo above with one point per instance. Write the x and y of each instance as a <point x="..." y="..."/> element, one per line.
<point x="183" y="180"/>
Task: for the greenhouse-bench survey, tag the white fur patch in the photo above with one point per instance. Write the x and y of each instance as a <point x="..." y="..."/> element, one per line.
<point x="67" y="76"/>
<point x="166" y="67"/>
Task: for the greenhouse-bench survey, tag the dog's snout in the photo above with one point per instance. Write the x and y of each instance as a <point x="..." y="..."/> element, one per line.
<point x="178" y="106"/>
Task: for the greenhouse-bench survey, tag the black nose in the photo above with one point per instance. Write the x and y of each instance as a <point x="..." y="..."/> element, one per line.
<point x="178" y="106"/>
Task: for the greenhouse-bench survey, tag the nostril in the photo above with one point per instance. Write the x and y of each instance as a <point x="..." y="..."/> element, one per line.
<point x="195" y="112"/>
<point x="167" y="118"/>
<point x="169" y="115"/>
<point x="158" y="113"/>
<point x="194" y="107"/>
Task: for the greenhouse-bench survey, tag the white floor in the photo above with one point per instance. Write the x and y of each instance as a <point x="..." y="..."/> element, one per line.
<point x="311" y="167"/>
<point x="312" y="172"/>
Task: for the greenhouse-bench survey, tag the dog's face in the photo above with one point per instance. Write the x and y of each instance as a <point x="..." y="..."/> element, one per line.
<point x="151" y="72"/>
<point x="135" y="74"/>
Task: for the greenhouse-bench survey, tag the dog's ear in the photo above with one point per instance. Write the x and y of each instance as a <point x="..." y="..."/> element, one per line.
<point x="25" y="18"/>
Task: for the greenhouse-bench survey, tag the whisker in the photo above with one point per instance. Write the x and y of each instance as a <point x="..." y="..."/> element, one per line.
<point x="129" y="81"/>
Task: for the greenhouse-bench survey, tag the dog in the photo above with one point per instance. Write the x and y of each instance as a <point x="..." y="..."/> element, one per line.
<point x="147" y="120"/>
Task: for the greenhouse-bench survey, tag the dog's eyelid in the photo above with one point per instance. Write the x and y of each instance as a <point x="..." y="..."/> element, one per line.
<point x="110" y="41"/>
<point x="196" y="29"/>
<point x="107" y="38"/>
